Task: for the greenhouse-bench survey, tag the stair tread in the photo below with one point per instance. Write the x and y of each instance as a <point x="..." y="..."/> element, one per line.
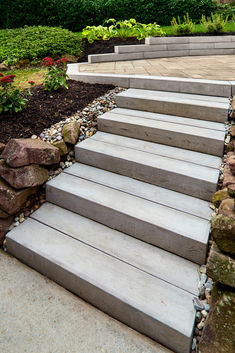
<point x="101" y="143"/>
<point x="170" y="126"/>
<point x="193" y="99"/>
<point x="109" y="283"/>
<point x="170" y="229"/>
<point x="211" y="125"/>
<point x="166" y="197"/>
<point x="150" y="259"/>
<point x="155" y="149"/>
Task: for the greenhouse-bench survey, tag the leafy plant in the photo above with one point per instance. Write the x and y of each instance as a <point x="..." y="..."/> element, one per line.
<point x="227" y="10"/>
<point x="77" y="14"/>
<point x="12" y="100"/>
<point x="185" y="27"/>
<point x="123" y="29"/>
<point x="214" y="24"/>
<point x="56" y="75"/>
<point x="36" y="42"/>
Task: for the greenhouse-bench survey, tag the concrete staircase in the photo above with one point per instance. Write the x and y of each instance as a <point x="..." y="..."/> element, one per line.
<point x="126" y="226"/>
<point x="164" y="47"/>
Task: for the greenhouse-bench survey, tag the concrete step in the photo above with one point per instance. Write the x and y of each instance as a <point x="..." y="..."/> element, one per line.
<point x="180" y="104"/>
<point x="165" y="197"/>
<point x="172" y="47"/>
<point x="183" y="40"/>
<point x="178" y="232"/>
<point x="159" y="83"/>
<point x="168" y="53"/>
<point x="141" y="300"/>
<point x="150" y="128"/>
<point x="188" y="172"/>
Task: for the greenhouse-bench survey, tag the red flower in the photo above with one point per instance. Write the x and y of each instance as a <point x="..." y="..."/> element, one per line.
<point x="47" y="62"/>
<point x="31" y="82"/>
<point x="1" y="75"/>
<point x="62" y="60"/>
<point x="7" y="79"/>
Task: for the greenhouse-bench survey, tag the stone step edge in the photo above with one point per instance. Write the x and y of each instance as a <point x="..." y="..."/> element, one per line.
<point x="109" y="302"/>
<point x="169" y="84"/>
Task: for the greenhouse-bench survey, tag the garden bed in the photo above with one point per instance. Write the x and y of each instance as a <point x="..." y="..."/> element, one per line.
<point x="46" y="108"/>
<point x="105" y="46"/>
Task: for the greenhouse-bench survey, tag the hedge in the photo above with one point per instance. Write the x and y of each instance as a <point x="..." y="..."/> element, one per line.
<point x="76" y="14"/>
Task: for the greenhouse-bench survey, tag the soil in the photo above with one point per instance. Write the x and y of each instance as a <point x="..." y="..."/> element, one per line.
<point x="105" y="46"/>
<point x="46" y="108"/>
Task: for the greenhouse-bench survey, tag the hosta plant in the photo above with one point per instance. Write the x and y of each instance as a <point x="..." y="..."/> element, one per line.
<point x="122" y="29"/>
<point x="56" y="74"/>
<point x="12" y="100"/>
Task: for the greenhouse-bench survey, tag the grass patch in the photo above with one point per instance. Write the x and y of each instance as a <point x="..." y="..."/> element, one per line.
<point x="24" y="75"/>
<point x="199" y="28"/>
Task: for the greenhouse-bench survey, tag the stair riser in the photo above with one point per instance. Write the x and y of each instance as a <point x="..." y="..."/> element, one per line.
<point x="140" y="229"/>
<point x="165" y="137"/>
<point x="101" y="299"/>
<point x="164" y="178"/>
<point x="178" y="109"/>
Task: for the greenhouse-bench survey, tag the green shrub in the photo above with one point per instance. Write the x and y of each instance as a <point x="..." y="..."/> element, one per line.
<point x="122" y="29"/>
<point x="77" y="14"/>
<point x="185" y="27"/>
<point x="227" y="10"/>
<point x="36" y="42"/>
<point x="214" y="24"/>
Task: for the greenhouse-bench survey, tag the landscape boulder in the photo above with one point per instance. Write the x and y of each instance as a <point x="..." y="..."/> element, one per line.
<point x="227" y="208"/>
<point x="71" y="132"/>
<point x="3" y="214"/>
<point x="11" y="200"/>
<point x="4" y="225"/>
<point x="21" y="152"/>
<point x="3" y="67"/>
<point x="232" y="131"/>
<point x="231" y="164"/>
<point x="219" y="333"/>
<point x="23" y="177"/>
<point x="2" y="146"/>
<point x="61" y="145"/>
<point x="229" y="178"/>
<point x="223" y="232"/>
<point x="219" y="196"/>
<point x="221" y="267"/>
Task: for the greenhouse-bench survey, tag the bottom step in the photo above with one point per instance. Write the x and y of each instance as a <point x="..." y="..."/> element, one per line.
<point x="138" y="293"/>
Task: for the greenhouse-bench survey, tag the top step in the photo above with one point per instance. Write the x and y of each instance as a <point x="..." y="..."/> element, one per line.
<point x="194" y="39"/>
<point x="179" y="104"/>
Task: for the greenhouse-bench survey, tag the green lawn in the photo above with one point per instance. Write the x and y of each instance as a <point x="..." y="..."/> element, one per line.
<point x="24" y="75"/>
<point x="197" y="28"/>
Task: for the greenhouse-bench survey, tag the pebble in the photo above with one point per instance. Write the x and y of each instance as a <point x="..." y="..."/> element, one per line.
<point x="194" y="344"/>
<point x="198" y="304"/>
<point x="34" y="137"/>
<point x="204" y="313"/>
<point x="198" y="316"/>
<point x="207" y="307"/>
<point x="201" y="324"/>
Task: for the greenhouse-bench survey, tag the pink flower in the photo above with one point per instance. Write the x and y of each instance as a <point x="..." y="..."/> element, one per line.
<point x="31" y="82"/>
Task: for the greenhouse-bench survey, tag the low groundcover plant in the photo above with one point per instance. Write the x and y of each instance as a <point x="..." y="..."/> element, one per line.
<point x="12" y="100"/>
<point x="56" y="75"/>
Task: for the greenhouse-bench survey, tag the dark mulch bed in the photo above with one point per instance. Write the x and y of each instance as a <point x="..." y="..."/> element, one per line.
<point x="105" y="46"/>
<point x="47" y="108"/>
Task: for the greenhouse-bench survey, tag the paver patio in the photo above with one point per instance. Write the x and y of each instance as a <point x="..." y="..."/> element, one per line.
<point x="216" y="67"/>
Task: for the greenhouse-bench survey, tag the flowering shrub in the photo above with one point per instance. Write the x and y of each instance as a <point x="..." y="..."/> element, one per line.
<point x="56" y="74"/>
<point x="12" y="100"/>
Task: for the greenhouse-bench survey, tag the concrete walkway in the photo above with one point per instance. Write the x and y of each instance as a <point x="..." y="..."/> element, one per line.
<point x="217" y="67"/>
<point x="39" y="316"/>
